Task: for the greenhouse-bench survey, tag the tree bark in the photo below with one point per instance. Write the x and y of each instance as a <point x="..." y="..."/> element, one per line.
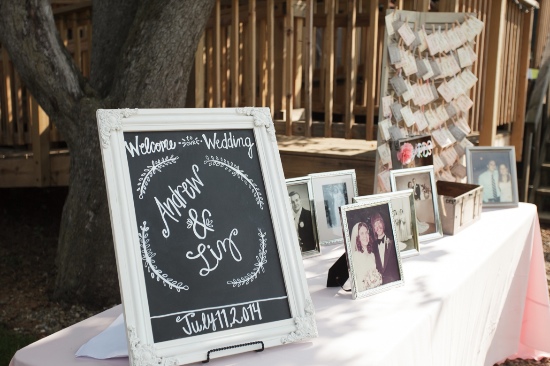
<point x="142" y="56"/>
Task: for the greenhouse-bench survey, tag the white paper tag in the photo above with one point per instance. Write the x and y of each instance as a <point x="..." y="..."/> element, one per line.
<point x="417" y="95"/>
<point x="431" y="117"/>
<point x="409" y="94"/>
<point x="464" y="103"/>
<point x="440" y="138"/>
<point x="446" y="92"/>
<point x="443" y="42"/>
<point x="384" y="181"/>
<point x="386" y="103"/>
<point x="476" y="25"/>
<point x="453" y="64"/>
<point x="433" y="46"/>
<point x="389" y="21"/>
<point x="463" y="125"/>
<point x="407" y="116"/>
<point x="420" y="120"/>
<point x="410" y="67"/>
<point x="455" y="87"/>
<point x="396" y="112"/>
<point x="460" y="35"/>
<point x="384" y="153"/>
<point x="406" y="33"/>
<point x="422" y="38"/>
<point x="469" y="78"/>
<point x="384" y="126"/>
<point x="442" y="113"/>
<point x="453" y="39"/>
<point x="430" y="72"/>
<point x="464" y="57"/>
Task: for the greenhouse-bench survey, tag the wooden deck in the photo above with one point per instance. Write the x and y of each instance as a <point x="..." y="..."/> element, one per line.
<point x="301" y="156"/>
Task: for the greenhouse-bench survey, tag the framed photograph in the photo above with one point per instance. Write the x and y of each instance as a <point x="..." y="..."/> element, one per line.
<point x="404" y="217"/>
<point x="300" y="194"/>
<point x="331" y="190"/>
<point x="422" y="182"/>
<point x="494" y="168"/>
<point x="371" y="241"/>
<point x="207" y="260"/>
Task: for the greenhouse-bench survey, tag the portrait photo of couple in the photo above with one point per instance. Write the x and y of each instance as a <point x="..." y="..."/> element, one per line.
<point x="494" y="168"/>
<point x="371" y="248"/>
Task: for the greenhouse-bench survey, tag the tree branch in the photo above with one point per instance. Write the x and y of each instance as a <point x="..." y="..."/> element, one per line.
<point x="27" y="31"/>
<point x="111" y="23"/>
<point x="160" y="50"/>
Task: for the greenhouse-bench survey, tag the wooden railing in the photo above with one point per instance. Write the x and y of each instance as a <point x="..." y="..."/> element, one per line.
<point x="316" y="64"/>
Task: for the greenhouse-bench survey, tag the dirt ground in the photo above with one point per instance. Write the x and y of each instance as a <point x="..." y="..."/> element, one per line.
<point x="29" y="225"/>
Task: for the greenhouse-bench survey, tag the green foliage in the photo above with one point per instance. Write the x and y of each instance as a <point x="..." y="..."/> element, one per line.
<point x="10" y="342"/>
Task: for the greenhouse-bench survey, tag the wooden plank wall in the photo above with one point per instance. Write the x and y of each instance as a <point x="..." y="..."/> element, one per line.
<point x="314" y="63"/>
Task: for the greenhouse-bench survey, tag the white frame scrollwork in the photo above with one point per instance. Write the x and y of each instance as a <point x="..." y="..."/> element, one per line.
<point x="112" y="124"/>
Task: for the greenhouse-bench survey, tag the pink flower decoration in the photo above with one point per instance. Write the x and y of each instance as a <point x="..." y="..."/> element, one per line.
<point x="406" y="153"/>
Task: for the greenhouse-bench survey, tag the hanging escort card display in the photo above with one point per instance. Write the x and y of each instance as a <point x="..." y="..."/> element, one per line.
<point x="207" y="254"/>
<point x="425" y="93"/>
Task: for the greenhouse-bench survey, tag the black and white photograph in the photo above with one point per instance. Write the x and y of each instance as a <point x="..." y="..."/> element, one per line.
<point x="422" y="183"/>
<point x="371" y="245"/>
<point x="404" y="217"/>
<point x="332" y="190"/>
<point x="494" y="168"/>
<point x="300" y="196"/>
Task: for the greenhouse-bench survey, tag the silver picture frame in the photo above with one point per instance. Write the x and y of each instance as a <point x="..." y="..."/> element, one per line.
<point x="404" y="215"/>
<point x="422" y="181"/>
<point x="373" y="257"/>
<point x="300" y="194"/>
<point x="486" y="165"/>
<point x="331" y="190"/>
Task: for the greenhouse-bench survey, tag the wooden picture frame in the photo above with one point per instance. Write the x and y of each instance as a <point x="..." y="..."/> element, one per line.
<point x="502" y="160"/>
<point x="425" y="199"/>
<point x="300" y="194"/>
<point x="404" y="215"/>
<point x="207" y="262"/>
<point x="372" y="254"/>
<point x="331" y="190"/>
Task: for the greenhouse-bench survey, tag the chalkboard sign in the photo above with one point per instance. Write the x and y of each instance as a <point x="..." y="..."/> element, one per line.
<point x="206" y="251"/>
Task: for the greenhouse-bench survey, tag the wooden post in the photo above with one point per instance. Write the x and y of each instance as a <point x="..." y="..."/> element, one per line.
<point x="298" y="60"/>
<point x="20" y="137"/>
<point x="200" y="74"/>
<point x="217" y="55"/>
<point x="40" y="143"/>
<point x="309" y="65"/>
<point x="491" y="100"/>
<point x="235" y="53"/>
<point x="77" y="57"/>
<point x="516" y="138"/>
<point x="271" y="56"/>
<point x="351" y="72"/>
<point x="329" y="67"/>
<point x="371" y="68"/>
<point x="289" y="56"/>
<point x="251" y="68"/>
<point x="7" y="100"/>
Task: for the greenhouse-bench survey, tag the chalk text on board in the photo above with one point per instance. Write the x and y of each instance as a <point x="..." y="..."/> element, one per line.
<point x="169" y="208"/>
<point x="220" y="245"/>
<point x="220" y="318"/>
<point x="149" y="147"/>
<point x="229" y="142"/>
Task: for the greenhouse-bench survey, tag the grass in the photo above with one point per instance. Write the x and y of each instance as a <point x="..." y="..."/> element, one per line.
<point x="10" y="342"/>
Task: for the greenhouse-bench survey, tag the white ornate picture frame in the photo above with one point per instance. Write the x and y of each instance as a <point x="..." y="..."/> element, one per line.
<point x="372" y="251"/>
<point x="404" y="215"/>
<point x="141" y="257"/>
<point x="331" y="190"/>
<point x="426" y="203"/>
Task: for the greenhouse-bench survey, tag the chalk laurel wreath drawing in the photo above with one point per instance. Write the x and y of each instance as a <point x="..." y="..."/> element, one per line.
<point x="261" y="260"/>
<point x="156" y="166"/>
<point x="237" y="172"/>
<point x="189" y="141"/>
<point x="148" y="256"/>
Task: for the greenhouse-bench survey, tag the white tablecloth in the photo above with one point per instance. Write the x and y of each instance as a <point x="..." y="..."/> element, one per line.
<point x="475" y="298"/>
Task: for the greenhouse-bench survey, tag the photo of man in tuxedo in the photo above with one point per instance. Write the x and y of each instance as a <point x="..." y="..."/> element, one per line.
<point x="489" y="180"/>
<point x="303" y="223"/>
<point x="416" y="190"/>
<point x="384" y="251"/>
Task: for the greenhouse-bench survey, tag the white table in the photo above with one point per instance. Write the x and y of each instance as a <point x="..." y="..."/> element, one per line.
<point x="475" y="298"/>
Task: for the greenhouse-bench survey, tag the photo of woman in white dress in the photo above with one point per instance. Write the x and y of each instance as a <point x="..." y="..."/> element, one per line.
<point x="364" y="262"/>
<point x="505" y="183"/>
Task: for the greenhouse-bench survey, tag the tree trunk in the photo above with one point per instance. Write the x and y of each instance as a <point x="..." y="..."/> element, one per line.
<point x="145" y="53"/>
